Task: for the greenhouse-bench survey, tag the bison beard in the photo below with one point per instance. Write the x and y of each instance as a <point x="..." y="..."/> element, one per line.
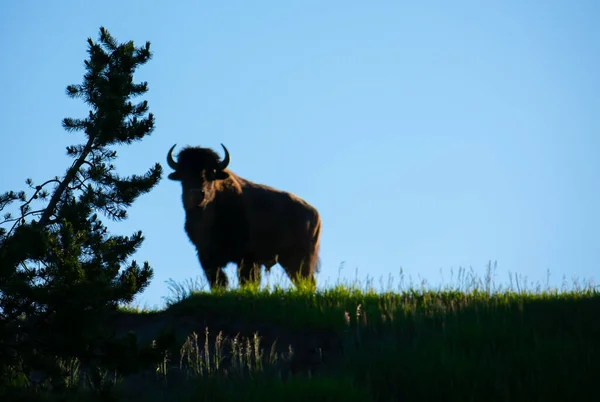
<point x="233" y="220"/>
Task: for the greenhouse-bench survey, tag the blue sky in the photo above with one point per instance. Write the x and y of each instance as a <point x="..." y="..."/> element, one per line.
<point x="430" y="136"/>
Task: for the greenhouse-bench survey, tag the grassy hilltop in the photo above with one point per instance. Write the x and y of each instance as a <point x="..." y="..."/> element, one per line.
<point x="348" y="344"/>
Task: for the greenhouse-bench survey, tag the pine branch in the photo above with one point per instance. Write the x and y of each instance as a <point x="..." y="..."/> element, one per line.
<point x="65" y="182"/>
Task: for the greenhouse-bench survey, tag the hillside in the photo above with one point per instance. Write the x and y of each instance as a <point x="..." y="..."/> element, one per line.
<point x="351" y="345"/>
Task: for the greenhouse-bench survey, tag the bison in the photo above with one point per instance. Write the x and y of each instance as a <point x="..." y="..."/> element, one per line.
<point x="230" y="219"/>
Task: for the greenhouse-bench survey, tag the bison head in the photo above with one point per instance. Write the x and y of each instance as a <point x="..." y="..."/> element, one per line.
<point x="198" y="169"/>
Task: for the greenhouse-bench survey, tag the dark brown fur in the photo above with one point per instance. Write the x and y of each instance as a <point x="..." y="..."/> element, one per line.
<point x="235" y="220"/>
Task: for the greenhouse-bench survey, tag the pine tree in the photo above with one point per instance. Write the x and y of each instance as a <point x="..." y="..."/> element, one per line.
<point x="61" y="273"/>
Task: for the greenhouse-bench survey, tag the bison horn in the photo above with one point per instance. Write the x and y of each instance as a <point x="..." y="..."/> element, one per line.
<point x="223" y="164"/>
<point x="170" y="160"/>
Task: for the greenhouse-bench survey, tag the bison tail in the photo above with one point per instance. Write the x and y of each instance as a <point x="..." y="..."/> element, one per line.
<point x="314" y="259"/>
<point x="317" y="266"/>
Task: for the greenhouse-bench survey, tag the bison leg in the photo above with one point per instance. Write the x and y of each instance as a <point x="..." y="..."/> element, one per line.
<point x="297" y="268"/>
<point x="214" y="273"/>
<point x="217" y="278"/>
<point x="249" y="271"/>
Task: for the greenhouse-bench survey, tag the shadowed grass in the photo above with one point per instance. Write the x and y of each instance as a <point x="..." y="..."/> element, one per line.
<point x="471" y="341"/>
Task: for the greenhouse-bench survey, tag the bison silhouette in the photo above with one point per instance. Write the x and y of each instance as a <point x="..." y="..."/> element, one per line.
<point x="230" y="219"/>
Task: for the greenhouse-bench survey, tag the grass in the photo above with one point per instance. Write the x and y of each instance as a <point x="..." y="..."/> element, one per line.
<point x="469" y="342"/>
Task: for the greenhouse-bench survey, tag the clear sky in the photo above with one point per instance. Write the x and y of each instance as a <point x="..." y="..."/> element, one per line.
<point x="430" y="136"/>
